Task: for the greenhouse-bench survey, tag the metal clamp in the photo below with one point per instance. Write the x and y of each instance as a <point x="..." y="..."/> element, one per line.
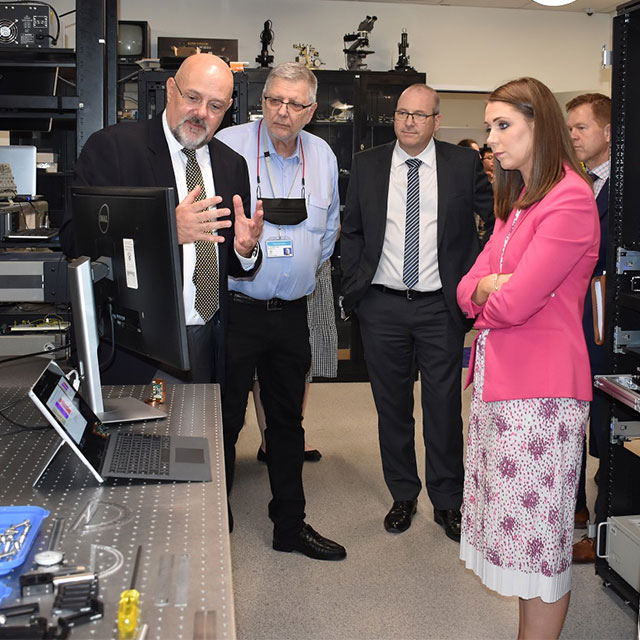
<point x="625" y="339"/>
<point x="627" y="261"/>
<point x="621" y="431"/>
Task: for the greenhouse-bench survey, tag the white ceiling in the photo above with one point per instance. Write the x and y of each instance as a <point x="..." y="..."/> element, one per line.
<point x="581" y="6"/>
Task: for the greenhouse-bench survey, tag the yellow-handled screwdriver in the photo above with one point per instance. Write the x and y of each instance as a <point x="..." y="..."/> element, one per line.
<point x="129" y="607"/>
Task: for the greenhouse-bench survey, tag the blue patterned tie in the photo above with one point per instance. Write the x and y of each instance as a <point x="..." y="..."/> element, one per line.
<point x="411" y="268"/>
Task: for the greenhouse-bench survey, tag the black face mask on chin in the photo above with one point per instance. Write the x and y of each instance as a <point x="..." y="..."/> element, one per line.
<point x="284" y="211"/>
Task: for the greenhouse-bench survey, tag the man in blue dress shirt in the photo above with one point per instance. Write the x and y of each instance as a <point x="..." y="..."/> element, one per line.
<point x="295" y="174"/>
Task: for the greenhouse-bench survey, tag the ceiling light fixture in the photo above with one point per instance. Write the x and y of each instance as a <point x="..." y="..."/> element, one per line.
<point x="554" y="3"/>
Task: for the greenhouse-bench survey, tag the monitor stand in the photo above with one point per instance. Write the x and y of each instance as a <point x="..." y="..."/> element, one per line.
<point x="82" y="274"/>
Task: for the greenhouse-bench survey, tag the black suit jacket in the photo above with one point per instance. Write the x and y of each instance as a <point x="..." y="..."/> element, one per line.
<point x="596" y="351"/>
<point x="137" y="155"/>
<point x="463" y="188"/>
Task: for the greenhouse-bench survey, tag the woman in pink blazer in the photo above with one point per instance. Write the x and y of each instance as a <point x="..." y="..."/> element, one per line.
<point x="530" y="367"/>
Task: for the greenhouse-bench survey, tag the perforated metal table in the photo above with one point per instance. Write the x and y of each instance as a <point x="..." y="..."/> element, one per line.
<point x="185" y="568"/>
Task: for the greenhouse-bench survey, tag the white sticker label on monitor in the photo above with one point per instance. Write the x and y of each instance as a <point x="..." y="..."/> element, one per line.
<point x="130" y="263"/>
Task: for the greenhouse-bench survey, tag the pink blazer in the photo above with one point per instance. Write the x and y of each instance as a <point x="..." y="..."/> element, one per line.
<point x="536" y="347"/>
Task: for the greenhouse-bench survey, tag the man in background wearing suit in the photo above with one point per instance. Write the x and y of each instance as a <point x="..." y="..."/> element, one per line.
<point x="177" y="149"/>
<point x="408" y="237"/>
<point x="589" y="121"/>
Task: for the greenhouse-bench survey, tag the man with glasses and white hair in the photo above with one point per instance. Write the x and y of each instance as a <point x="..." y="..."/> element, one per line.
<point x="177" y="149"/>
<point x="408" y="237"/>
<point x="295" y="175"/>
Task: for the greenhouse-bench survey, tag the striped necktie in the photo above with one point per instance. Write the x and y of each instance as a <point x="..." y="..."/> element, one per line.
<point x="411" y="267"/>
<point x="205" y="274"/>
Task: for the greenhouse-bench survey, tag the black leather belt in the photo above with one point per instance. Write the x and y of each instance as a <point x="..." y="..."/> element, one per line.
<point x="409" y="294"/>
<point x="275" y="304"/>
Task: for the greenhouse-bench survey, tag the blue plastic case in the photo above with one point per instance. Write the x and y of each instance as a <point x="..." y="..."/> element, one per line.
<point x="15" y="515"/>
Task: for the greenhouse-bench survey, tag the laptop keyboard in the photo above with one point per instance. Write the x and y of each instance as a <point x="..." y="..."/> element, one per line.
<point x="141" y="454"/>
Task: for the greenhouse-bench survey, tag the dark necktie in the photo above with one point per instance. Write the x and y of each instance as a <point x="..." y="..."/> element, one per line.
<point x="205" y="274"/>
<point x="411" y="267"/>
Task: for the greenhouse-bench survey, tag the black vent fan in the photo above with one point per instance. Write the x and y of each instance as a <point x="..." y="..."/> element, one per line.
<point x="8" y="31"/>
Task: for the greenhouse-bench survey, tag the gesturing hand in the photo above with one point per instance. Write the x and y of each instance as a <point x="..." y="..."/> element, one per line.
<point x="247" y="230"/>
<point x="197" y="221"/>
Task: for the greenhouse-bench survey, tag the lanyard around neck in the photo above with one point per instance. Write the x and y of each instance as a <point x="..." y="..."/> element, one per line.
<point x="267" y="157"/>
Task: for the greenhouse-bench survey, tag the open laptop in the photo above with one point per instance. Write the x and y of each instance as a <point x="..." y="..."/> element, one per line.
<point x="22" y="159"/>
<point x="120" y="454"/>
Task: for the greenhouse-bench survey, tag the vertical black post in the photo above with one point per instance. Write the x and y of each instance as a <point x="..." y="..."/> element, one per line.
<point x="90" y="49"/>
<point x="111" y="62"/>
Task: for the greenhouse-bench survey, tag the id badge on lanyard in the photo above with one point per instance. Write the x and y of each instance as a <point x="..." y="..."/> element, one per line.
<point x="280" y="246"/>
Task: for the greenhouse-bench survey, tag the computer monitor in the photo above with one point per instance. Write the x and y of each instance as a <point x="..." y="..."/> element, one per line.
<point x="134" y="42"/>
<point x="128" y="272"/>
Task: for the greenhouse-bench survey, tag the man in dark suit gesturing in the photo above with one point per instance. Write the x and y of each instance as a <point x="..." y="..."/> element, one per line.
<point x="408" y="237"/>
<point x="177" y="149"/>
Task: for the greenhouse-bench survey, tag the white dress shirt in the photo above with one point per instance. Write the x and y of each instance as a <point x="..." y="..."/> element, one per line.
<point x="390" y="267"/>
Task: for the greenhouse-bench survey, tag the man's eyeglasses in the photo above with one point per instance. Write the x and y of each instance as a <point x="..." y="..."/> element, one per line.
<point x="276" y="103"/>
<point x="402" y="115"/>
<point x="193" y="100"/>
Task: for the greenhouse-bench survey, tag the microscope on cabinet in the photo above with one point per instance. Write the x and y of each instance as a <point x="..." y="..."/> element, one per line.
<point x="356" y="43"/>
<point x="403" y="58"/>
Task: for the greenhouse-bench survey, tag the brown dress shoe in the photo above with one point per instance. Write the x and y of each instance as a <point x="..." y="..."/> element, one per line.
<point x="581" y="518"/>
<point x="584" y="551"/>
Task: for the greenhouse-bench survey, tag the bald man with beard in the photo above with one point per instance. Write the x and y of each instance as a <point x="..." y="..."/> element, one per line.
<point x="154" y="153"/>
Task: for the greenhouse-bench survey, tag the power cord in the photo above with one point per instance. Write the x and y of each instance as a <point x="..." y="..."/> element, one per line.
<point x="30" y="355"/>
<point x="22" y="427"/>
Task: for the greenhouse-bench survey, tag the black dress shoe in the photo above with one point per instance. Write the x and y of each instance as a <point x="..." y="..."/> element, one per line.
<point x="311" y="544"/>
<point x="450" y="520"/>
<point x="313" y="455"/>
<point x="399" y="518"/>
<point x="230" y="517"/>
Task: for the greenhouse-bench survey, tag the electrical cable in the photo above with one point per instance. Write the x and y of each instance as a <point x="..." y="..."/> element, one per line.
<point x="23" y="427"/>
<point x="71" y="84"/>
<point x="12" y="404"/>
<point x="111" y="357"/>
<point x="30" y="355"/>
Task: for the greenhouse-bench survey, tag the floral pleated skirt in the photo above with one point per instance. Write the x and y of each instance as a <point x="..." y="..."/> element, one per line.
<point x="522" y="471"/>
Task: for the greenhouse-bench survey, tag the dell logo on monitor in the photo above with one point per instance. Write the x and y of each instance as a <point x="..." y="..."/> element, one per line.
<point x="103" y="218"/>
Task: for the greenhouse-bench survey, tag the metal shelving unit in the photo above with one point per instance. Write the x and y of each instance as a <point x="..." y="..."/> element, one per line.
<point x="619" y="493"/>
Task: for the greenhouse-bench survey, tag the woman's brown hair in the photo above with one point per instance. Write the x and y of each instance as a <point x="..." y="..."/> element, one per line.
<point x="552" y="147"/>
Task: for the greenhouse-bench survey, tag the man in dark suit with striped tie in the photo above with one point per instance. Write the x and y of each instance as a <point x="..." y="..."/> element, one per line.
<point x="408" y="237"/>
<point x="217" y="235"/>
<point x="589" y="121"/>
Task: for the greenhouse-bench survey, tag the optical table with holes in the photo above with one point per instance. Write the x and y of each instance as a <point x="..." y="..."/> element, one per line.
<point x="184" y="574"/>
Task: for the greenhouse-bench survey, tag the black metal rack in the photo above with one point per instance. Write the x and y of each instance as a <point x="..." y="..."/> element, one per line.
<point x="84" y="99"/>
<point x="620" y="469"/>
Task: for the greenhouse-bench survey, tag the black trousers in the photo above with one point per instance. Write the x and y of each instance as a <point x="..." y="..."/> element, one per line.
<point x="598" y="442"/>
<point x="276" y="343"/>
<point x="397" y="333"/>
<point x="206" y="355"/>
